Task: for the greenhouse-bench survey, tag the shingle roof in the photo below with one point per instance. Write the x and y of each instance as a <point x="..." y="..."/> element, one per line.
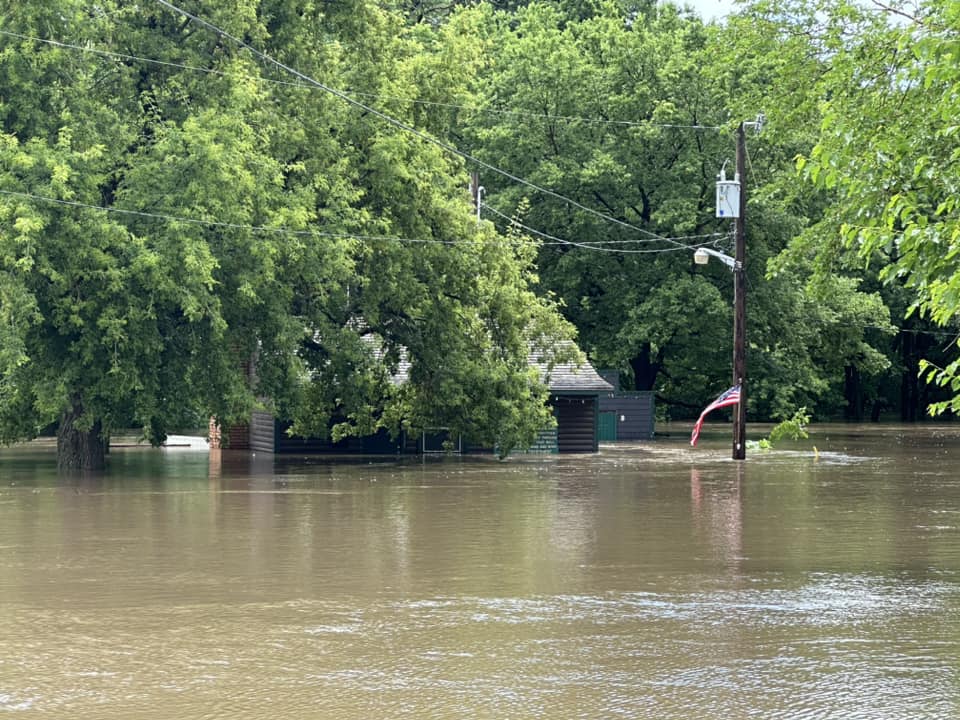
<point x="570" y="377"/>
<point x="563" y="377"/>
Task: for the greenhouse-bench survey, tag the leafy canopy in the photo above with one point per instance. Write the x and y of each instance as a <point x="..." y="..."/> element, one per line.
<point x="167" y="222"/>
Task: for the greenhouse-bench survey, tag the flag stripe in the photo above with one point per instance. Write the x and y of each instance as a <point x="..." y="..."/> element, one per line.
<point x="730" y="397"/>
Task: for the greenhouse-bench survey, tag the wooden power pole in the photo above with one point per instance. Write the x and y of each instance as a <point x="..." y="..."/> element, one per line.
<point x="740" y="306"/>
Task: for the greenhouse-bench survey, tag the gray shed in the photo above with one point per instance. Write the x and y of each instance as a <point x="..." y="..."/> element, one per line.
<point x="624" y="414"/>
<point x="574" y="395"/>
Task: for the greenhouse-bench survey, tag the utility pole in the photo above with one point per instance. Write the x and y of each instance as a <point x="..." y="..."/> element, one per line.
<point x="740" y="304"/>
<point x="732" y="202"/>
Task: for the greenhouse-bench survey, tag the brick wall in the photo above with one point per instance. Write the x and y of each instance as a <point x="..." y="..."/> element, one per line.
<point x="236" y="437"/>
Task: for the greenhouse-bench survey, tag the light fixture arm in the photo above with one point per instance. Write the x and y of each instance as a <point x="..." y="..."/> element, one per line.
<point x="703" y="254"/>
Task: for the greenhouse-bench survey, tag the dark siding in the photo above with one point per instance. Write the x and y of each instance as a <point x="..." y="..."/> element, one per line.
<point x="411" y="444"/>
<point x="293" y="444"/>
<point x="378" y="444"/>
<point x="287" y="444"/>
<point x="381" y="443"/>
<point x="634" y="414"/>
<point x="262" y="433"/>
<point x="576" y="423"/>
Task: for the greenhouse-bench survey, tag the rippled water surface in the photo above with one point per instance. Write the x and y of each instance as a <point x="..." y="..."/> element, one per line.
<point x="649" y="581"/>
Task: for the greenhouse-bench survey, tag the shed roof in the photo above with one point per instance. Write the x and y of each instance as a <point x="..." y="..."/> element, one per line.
<point x="569" y="377"/>
<point x="562" y="377"/>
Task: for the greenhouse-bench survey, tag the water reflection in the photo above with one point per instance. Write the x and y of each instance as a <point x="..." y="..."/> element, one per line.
<point x="646" y="582"/>
<point x="717" y="514"/>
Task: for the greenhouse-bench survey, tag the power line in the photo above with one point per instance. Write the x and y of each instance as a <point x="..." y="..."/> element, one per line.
<point x="611" y="242"/>
<point x="753" y="174"/>
<point x="317" y="85"/>
<point x="153" y="61"/>
<point x="404" y="126"/>
<point x="550" y="240"/>
<point x="230" y="225"/>
<point x="112" y="54"/>
<point x="952" y="334"/>
<point x="599" y="245"/>
<point x="414" y="101"/>
<point x="380" y="238"/>
<point x="119" y="55"/>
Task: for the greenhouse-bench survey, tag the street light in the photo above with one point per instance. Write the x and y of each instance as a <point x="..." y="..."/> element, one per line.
<point x="702" y="257"/>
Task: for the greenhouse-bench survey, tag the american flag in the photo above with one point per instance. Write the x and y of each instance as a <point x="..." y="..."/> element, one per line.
<point x="730" y="397"/>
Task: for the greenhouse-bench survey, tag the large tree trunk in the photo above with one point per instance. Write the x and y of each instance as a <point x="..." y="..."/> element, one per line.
<point x="645" y="369"/>
<point x="909" y="383"/>
<point x="853" y="392"/>
<point x="77" y="448"/>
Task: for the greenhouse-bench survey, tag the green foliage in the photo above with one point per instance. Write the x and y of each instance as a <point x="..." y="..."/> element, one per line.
<point x="887" y="152"/>
<point x="271" y="223"/>
<point x="793" y="428"/>
<point x="943" y="377"/>
<point x="647" y="310"/>
<point x="547" y="68"/>
<point x="253" y="222"/>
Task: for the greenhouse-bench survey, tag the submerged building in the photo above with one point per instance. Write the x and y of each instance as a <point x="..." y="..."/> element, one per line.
<point x="575" y="392"/>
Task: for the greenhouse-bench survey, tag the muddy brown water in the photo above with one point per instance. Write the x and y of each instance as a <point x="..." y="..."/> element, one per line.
<point x="649" y="581"/>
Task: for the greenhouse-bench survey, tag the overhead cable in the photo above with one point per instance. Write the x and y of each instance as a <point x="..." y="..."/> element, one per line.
<point x="600" y="245"/>
<point x="550" y="240"/>
<point x="216" y="223"/>
<point x="240" y="226"/>
<point x="404" y="126"/>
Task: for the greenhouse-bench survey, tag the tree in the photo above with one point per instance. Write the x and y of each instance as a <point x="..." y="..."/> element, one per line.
<point x="629" y="113"/>
<point x="136" y="316"/>
<point x="607" y="110"/>
<point x="886" y="150"/>
<point x="819" y="326"/>
<point x="161" y="225"/>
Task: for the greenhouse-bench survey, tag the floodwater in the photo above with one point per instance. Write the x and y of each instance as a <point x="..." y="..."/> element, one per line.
<point x="649" y="581"/>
